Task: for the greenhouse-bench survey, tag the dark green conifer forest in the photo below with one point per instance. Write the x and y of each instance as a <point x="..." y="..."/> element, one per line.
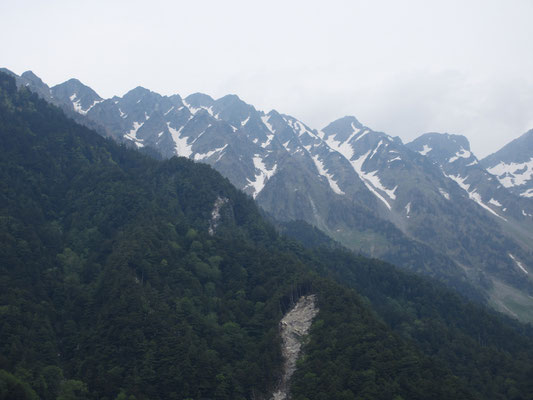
<point x="112" y="287"/>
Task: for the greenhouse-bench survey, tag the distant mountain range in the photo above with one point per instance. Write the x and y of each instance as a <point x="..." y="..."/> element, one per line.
<point x="430" y="205"/>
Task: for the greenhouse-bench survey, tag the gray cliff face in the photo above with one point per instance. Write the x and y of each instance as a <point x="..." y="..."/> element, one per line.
<point x="294" y="328"/>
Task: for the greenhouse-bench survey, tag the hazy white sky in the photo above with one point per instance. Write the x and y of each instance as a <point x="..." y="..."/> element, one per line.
<point x="403" y="67"/>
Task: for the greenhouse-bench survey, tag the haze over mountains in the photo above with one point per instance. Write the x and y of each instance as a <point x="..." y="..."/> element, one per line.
<point x="430" y="205"/>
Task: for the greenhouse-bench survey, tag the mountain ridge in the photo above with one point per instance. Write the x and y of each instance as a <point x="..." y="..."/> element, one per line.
<point x="365" y="189"/>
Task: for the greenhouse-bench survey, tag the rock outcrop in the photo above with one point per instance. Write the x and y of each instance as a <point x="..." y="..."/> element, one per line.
<point x="294" y="327"/>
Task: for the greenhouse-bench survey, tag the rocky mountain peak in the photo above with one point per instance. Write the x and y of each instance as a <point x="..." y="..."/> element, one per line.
<point x="199" y="100"/>
<point x="136" y="93"/>
<point x="232" y="109"/>
<point x="30" y="76"/>
<point x="343" y="127"/>
<point x="442" y="147"/>
<point x="80" y="96"/>
<point x="35" y="84"/>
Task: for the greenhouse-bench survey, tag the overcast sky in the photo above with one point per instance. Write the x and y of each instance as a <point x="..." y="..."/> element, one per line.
<point x="402" y="67"/>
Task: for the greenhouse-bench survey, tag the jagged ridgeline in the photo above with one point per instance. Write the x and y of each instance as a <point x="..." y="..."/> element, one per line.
<point x="429" y="206"/>
<point x="126" y="277"/>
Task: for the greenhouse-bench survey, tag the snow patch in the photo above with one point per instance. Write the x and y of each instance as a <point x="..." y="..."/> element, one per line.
<point x="302" y="129"/>
<point x="344" y="148"/>
<point x="495" y="202"/>
<point x="182" y="148"/>
<point x="200" y="157"/>
<point x="444" y="194"/>
<point x="322" y="171"/>
<point x="473" y="195"/>
<point x="171" y="108"/>
<point x="408" y="210"/>
<point x="132" y="134"/>
<point x="513" y="174"/>
<point x="194" y="110"/>
<point x="356" y="131"/>
<point x="245" y="121"/>
<point x="265" y="119"/>
<point x="77" y="104"/>
<point x="376" y="149"/>
<point x="527" y="193"/>
<point x="372" y="181"/>
<point x="268" y="141"/>
<point x="518" y="263"/>
<point x="426" y="149"/>
<point x="477" y="198"/>
<point x="298" y="127"/>
<point x="92" y="105"/>
<point x="460" y="154"/>
<point x="77" y="107"/>
<point x="263" y="174"/>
